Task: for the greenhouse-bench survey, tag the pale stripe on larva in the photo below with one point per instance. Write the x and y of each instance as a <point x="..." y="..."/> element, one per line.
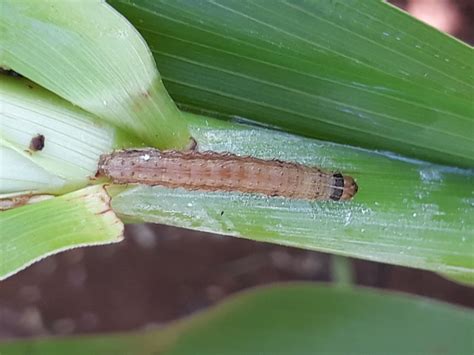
<point x="211" y="171"/>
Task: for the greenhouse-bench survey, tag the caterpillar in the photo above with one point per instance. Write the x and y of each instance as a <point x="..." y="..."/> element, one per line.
<point x="212" y="171"/>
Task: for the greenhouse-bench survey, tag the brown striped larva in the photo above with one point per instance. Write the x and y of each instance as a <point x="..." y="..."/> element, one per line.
<point x="212" y="171"/>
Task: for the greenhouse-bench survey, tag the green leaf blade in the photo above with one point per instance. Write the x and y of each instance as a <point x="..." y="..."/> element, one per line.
<point x="91" y="56"/>
<point x="345" y="71"/>
<point x="406" y="212"/>
<point x="32" y="232"/>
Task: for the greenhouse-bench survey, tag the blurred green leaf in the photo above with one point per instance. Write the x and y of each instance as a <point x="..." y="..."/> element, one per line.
<point x="87" y="53"/>
<point x="342" y="271"/>
<point x="406" y="212"/>
<point x="32" y="232"/>
<point x="353" y="71"/>
<point x="297" y="319"/>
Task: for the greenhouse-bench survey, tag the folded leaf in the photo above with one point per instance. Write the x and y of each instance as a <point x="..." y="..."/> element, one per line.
<point x="71" y="140"/>
<point x="32" y="232"/>
<point x="90" y="55"/>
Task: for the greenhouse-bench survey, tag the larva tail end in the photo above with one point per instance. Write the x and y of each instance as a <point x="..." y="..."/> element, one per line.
<point x="103" y="160"/>
<point x="192" y="145"/>
<point x="350" y="188"/>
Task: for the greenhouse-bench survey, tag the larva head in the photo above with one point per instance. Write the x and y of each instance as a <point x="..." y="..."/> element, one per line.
<point x="350" y="188"/>
<point x="343" y="187"/>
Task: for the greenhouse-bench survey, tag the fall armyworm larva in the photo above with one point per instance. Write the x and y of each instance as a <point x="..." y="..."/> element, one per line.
<point x="212" y="171"/>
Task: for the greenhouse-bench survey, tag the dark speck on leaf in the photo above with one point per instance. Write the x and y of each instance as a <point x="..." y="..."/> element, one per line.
<point x="37" y="142"/>
<point x="222" y="213"/>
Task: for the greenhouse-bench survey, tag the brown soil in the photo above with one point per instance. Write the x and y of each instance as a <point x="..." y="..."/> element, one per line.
<point x="161" y="273"/>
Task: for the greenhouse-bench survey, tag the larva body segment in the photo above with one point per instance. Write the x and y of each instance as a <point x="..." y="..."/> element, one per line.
<point x="213" y="171"/>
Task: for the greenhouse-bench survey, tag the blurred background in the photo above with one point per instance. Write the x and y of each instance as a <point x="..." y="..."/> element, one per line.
<point x="161" y="273"/>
